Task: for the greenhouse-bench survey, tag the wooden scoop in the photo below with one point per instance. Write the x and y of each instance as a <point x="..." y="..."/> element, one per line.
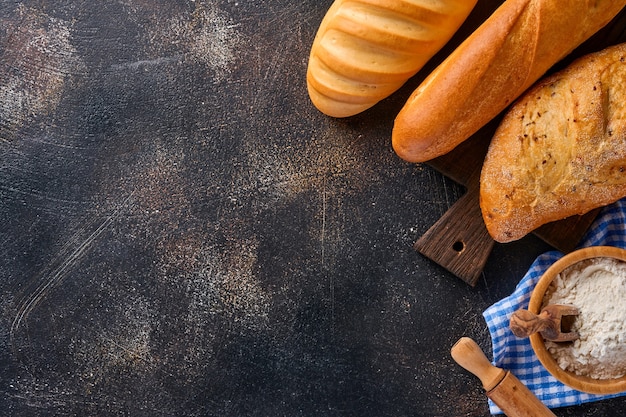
<point x="549" y="323"/>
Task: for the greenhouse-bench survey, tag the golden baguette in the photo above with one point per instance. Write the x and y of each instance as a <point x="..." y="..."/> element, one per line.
<point x="515" y="46"/>
<point x="560" y="150"/>
<point x="365" y="50"/>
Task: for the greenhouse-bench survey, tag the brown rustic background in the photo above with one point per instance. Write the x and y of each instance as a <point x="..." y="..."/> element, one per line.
<point x="183" y="234"/>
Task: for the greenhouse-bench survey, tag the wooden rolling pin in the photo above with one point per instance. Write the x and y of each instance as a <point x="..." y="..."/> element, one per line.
<point x="513" y="398"/>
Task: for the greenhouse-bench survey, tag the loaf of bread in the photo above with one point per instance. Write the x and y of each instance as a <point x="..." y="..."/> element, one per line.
<point x="510" y="51"/>
<point x="560" y="150"/>
<point x="365" y="50"/>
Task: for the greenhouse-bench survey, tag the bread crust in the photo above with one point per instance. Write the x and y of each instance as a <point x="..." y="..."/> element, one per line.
<point x="560" y="150"/>
<point x="510" y="51"/>
<point x="364" y="50"/>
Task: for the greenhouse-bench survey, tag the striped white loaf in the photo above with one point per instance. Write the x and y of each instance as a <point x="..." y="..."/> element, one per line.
<point x="365" y="50"/>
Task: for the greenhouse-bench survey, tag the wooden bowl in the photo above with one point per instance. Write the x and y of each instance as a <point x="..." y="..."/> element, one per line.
<point x="578" y="382"/>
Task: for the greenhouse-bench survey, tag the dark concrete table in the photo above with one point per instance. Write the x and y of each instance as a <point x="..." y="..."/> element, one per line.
<point x="184" y="234"/>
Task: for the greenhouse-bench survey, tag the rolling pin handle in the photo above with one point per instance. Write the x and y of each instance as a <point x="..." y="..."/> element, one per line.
<point x="470" y="356"/>
<point x="506" y="391"/>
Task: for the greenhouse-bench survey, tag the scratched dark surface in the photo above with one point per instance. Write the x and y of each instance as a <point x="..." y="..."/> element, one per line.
<point x="184" y="234"/>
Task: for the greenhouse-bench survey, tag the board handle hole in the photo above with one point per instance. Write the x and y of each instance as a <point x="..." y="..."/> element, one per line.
<point x="458" y="246"/>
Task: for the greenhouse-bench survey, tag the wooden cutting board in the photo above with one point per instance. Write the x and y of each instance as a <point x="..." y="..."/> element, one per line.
<point x="459" y="240"/>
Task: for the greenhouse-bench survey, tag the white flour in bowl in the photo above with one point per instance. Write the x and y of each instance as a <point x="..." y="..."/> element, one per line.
<point x="597" y="287"/>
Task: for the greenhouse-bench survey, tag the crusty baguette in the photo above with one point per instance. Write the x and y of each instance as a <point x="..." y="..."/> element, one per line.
<point x="515" y="46"/>
<point x="365" y="50"/>
<point x="560" y="150"/>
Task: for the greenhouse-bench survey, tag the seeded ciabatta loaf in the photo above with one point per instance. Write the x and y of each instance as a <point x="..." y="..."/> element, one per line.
<point x="560" y="149"/>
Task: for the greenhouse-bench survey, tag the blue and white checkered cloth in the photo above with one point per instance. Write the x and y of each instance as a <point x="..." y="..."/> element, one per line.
<point x="515" y="354"/>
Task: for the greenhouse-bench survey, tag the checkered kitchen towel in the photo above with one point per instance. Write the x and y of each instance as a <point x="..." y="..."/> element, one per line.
<point x="516" y="355"/>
